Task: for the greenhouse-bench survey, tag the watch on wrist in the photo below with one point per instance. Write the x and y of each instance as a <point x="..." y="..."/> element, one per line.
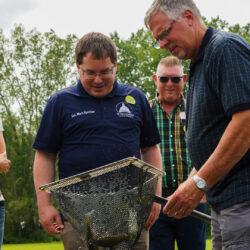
<point x="200" y="183"/>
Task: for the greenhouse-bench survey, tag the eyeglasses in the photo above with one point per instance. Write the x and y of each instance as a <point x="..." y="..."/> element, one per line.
<point x="174" y="79"/>
<point x="165" y="32"/>
<point x="106" y="73"/>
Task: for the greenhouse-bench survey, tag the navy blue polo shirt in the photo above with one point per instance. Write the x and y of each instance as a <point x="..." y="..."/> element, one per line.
<point x="219" y="86"/>
<point x="89" y="132"/>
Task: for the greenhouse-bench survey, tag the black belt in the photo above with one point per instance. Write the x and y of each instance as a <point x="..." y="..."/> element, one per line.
<point x="1" y="203"/>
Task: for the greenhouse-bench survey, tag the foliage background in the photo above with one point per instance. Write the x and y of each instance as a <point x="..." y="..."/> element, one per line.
<point x="32" y="67"/>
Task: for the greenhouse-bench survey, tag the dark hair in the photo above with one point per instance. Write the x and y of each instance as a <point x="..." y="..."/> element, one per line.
<point x="99" y="45"/>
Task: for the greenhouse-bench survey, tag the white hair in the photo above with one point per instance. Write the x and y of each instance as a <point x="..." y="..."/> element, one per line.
<point x="172" y="8"/>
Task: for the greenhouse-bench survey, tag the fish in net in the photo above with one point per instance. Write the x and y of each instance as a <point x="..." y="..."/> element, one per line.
<point x="109" y="206"/>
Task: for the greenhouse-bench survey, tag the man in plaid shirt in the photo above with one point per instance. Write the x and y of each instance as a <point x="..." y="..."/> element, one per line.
<point x="169" y="111"/>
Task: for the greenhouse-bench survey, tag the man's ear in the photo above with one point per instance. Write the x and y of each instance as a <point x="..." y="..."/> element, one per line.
<point x="155" y="79"/>
<point x="184" y="78"/>
<point x="115" y="65"/>
<point x="78" y="68"/>
<point x="188" y="16"/>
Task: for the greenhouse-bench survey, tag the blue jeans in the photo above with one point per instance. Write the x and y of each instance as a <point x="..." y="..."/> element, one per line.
<point x="190" y="233"/>
<point x="2" y="217"/>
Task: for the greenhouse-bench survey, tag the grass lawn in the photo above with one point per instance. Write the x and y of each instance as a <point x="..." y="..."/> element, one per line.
<point x="34" y="246"/>
<point x="209" y="244"/>
<point x="54" y="246"/>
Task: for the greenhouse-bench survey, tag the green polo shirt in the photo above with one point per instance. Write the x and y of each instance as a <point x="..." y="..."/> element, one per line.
<point x="175" y="159"/>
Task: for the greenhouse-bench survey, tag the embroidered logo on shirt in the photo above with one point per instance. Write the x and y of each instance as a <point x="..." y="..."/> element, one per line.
<point x="124" y="110"/>
<point x="130" y="99"/>
<point x="83" y="113"/>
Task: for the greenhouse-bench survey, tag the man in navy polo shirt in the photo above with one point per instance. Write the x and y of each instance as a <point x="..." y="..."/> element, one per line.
<point x="218" y="119"/>
<point x="95" y="122"/>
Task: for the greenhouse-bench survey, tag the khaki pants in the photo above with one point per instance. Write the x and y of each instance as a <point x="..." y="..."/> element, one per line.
<point x="72" y="241"/>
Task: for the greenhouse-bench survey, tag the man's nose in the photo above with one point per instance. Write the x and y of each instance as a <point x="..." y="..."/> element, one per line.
<point x="98" y="78"/>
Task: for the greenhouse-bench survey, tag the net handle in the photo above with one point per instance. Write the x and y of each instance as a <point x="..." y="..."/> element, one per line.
<point x="196" y="214"/>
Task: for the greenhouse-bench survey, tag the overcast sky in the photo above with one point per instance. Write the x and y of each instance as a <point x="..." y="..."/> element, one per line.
<point x="82" y="16"/>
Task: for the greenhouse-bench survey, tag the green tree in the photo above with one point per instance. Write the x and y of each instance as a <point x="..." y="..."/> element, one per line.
<point x="138" y="57"/>
<point x="32" y="67"/>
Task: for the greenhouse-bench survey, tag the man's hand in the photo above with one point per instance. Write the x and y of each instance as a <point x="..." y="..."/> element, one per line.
<point x="152" y="155"/>
<point x="4" y="163"/>
<point x="184" y="200"/>
<point x="153" y="216"/>
<point x="50" y="219"/>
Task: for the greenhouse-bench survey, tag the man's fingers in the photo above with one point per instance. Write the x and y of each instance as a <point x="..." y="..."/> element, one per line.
<point x="154" y="214"/>
<point x="57" y="227"/>
<point x="59" y="222"/>
<point x="170" y="205"/>
<point x="52" y="228"/>
<point x="151" y="221"/>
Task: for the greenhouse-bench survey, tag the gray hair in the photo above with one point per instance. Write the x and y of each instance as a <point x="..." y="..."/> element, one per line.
<point x="172" y="8"/>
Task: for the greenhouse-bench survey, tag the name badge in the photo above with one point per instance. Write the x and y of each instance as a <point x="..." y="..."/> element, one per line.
<point x="182" y="115"/>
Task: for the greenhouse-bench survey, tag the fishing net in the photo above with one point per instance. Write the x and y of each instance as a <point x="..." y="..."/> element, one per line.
<point x="108" y="206"/>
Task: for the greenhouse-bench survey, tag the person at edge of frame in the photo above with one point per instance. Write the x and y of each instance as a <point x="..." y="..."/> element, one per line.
<point x="4" y="168"/>
<point x="169" y="112"/>
<point x="96" y="122"/>
<point x="218" y="119"/>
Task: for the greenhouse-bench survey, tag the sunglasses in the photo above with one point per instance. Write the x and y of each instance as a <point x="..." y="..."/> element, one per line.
<point x="174" y="79"/>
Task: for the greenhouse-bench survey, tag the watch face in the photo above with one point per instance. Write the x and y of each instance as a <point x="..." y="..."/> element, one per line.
<point x="200" y="184"/>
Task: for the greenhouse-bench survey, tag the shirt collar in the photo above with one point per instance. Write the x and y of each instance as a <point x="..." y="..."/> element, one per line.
<point x="209" y="33"/>
<point x="180" y="104"/>
<point x="206" y="39"/>
<point x="118" y="90"/>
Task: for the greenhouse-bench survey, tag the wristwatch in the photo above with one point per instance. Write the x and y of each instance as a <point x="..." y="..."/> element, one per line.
<point x="200" y="183"/>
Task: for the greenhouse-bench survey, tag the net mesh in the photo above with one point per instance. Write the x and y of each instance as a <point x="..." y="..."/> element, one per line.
<point x="108" y="206"/>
